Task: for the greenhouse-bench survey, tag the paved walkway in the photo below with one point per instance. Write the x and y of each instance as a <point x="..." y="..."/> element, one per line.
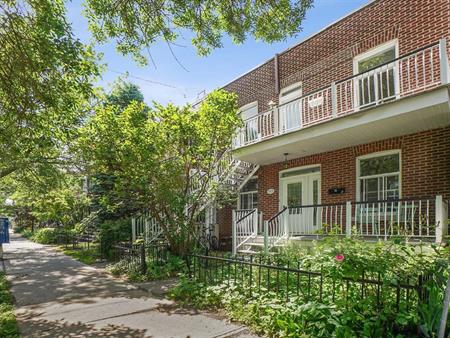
<point x="57" y="296"/>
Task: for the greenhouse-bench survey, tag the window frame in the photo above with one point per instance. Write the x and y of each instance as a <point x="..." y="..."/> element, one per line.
<point x="247" y="107"/>
<point x="250" y="192"/>
<point x="374" y="155"/>
<point x="370" y="53"/>
<point x="290" y="96"/>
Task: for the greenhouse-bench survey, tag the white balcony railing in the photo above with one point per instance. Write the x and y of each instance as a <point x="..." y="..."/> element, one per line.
<point x="413" y="73"/>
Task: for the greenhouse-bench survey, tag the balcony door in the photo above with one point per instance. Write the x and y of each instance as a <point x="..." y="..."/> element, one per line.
<point x="297" y="192"/>
<point x="290" y="108"/>
<point x="378" y="71"/>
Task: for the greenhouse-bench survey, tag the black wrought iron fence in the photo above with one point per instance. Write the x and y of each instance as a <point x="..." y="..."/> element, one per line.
<point x="138" y="256"/>
<point x="256" y="274"/>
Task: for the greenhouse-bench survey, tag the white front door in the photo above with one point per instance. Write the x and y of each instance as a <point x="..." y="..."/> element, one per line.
<point x="299" y="194"/>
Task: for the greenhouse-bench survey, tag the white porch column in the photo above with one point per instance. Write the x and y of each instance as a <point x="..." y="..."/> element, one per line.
<point x="445" y="72"/>
<point x="348" y="219"/>
<point x="233" y="232"/>
<point x="133" y="229"/>
<point x="441" y="209"/>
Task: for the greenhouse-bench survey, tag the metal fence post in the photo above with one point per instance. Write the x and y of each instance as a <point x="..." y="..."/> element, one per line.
<point x="143" y="263"/>
<point x="348" y="219"/>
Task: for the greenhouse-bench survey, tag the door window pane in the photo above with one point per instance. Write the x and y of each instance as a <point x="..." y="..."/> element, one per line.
<point x="294" y="194"/>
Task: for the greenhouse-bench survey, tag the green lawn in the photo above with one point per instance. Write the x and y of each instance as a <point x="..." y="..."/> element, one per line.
<point x="8" y="324"/>
<point x="83" y="254"/>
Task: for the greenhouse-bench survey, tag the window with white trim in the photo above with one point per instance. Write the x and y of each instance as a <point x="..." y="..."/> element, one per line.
<point x="248" y="196"/>
<point x="289" y="109"/>
<point x="377" y="81"/>
<point x="379" y="177"/>
<point x="251" y="125"/>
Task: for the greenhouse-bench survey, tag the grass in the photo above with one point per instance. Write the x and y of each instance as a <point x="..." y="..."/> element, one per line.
<point x="83" y="254"/>
<point x="8" y="323"/>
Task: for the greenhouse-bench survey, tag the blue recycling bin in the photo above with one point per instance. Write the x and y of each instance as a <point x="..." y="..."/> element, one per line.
<point x="4" y="230"/>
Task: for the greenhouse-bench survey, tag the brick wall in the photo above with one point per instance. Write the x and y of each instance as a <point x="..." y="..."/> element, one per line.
<point x="328" y="56"/>
<point x="425" y="161"/>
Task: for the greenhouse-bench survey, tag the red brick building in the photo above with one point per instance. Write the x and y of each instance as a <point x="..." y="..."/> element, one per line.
<point x="349" y="129"/>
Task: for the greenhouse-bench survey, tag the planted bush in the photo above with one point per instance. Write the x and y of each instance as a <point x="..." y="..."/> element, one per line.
<point x="8" y="324"/>
<point x="357" y="289"/>
<point x="53" y="235"/>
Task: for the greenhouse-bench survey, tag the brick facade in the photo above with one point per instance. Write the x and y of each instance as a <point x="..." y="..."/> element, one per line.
<point x="328" y="56"/>
<point x="425" y="170"/>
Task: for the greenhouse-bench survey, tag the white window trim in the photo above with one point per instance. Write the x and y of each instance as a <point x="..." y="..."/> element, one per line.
<point x="378" y="154"/>
<point x="246" y="193"/>
<point x="292" y="96"/>
<point x="248" y="106"/>
<point x="372" y="52"/>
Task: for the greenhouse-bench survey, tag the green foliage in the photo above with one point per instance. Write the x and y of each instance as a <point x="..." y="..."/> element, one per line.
<point x="172" y="160"/>
<point x="338" y="308"/>
<point x="51" y="235"/>
<point x="172" y="266"/>
<point x="83" y="254"/>
<point x="137" y="25"/>
<point x="45" y="86"/>
<point x="112" y="232"/>
<point x="8" y="324"/>
<point x="123" y="94"/>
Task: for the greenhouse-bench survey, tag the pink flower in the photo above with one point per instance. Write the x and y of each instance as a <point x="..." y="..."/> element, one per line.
<point x="339" y="257"/>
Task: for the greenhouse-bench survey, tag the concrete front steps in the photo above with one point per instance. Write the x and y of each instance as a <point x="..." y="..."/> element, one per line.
<point x="256" y="244"/>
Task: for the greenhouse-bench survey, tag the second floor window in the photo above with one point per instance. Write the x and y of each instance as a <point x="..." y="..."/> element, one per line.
<point x="378" y="75"/>
<point x="379" y="177"/>
<point x="248" y="112"/>
<point x="290" y="114"/>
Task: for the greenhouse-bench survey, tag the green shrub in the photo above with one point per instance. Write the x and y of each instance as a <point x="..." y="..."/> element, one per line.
<point x="172" y="266"/>
<point x="112" y="232"/>
<point x="53" y="235"/>
<point x="8" y="324"/>
<point x="340" y="310"/>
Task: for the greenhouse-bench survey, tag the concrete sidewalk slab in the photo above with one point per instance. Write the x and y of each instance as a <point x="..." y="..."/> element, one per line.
<point x="57" y="296"/>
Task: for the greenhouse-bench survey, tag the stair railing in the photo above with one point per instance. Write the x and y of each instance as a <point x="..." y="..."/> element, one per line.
<point x="245" y="227"/>
<point x="275" y="229"/>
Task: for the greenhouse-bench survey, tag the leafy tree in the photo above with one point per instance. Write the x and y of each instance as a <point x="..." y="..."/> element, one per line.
<point x="45" y="83"/>
<point x="123" y="93"/>
<point x="172" y="163"/>
<point x="54" y="197"/>
<point x="137" y="24"/>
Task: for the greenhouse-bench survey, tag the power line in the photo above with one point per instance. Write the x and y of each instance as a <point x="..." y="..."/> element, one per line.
<point x="148" y="80"/>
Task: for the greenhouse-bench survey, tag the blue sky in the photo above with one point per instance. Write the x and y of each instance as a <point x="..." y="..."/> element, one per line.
<point x="203" y="73"/>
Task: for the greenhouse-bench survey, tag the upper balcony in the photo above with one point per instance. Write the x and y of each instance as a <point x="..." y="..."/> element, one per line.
<point x="406" y="95"/>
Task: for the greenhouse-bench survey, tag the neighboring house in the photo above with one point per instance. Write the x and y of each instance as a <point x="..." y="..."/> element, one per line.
<point x="349" y="128"/>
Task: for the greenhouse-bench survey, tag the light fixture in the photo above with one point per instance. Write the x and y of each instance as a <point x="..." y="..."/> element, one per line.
<point x="285" y="160"/>
<point x="271" y="104"/>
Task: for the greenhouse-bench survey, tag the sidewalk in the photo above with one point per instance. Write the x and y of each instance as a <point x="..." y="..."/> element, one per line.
<point x="57" y="296"/>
